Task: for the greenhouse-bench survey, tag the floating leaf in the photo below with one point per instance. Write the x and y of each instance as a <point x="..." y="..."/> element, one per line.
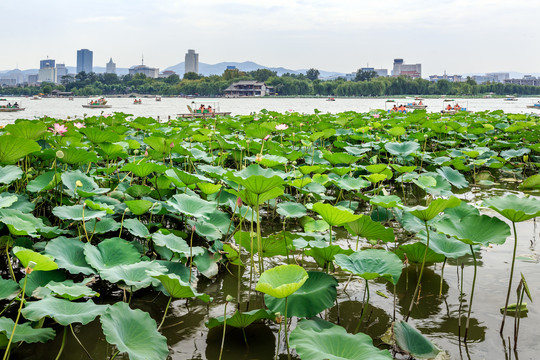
<point x="371" y="264"/>
<point x="282" y="281"/>
<point x="413" y="342"/>
<point x="63" y="311"/>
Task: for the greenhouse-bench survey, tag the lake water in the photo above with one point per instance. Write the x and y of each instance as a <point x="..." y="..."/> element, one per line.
<point x="62" y="108"/>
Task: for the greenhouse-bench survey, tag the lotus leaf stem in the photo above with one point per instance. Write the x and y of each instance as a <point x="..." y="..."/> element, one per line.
<point x="472" y="295"/>
<point x="114" y="355"/>
<point x="224" y="328"/>
<point x="364" y="308"/>
<point x="63" y="343"/>
<point x="165" y="313"/>
<point x="286" y="336"/>
<point x="421" y="272"/>
<point x="6" y="354"/>
<point x="9" y="261"/>
<point x="79" y="341"/>
<point x="511" y="276"/>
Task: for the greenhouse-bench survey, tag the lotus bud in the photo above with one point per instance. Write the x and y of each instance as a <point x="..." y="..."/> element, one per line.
<point x="172" y="144"/>
<point x="267" y="137"/>
<point x="279" y="318"/>
<point x="294" y="163"/>
<point x="258" y="158"/>
<point x="229" y="298"/>
<point x="136" y="151"/>
<point x="31" y="265"/>
<point x="239" y="202"/>
<point x="78" y="183"/>
<point x="248" y="141"/>
<point x="145" y="153"/>
<point x="60" y="154"/>
<point x="193" y="228"/>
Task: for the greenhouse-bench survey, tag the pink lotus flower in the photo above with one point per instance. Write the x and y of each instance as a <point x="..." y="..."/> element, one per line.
<point x="172" y="144"/>
<point x="58" y="129"/>
<point x="376" y="116"/>
<point x="282" y="127"/>
<point x="146" y="153"/>
<point x="79" y="125"/>
<point x="239" y="202"/>
<point x="266" y="137"/>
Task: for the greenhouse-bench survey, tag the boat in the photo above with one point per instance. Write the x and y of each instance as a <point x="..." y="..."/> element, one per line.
<point x="35" y="97"/>
<point x="158" y="98"/>
<point x="451" y="107"/>
<point x="536" y="105"/>
<point x="331" y="99"/>
<point x="100" y="103"/>
<point x="510" y="98"/>
<point x="203" y="110"/>
<point x="11" y="108"/>
<point x="3" y="99"/>
<point x="70" y="98"/>
<point x="137" y="102"/>
<point x="416" y="105"/>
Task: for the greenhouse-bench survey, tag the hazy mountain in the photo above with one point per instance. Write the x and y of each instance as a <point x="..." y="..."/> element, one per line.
<point x="219" y="68"/>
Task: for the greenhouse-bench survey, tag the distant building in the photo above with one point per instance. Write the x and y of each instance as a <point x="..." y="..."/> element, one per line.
<point x="527" y="80"/>
<point x="85" y="61"/>
<point x="500" y="76"/>
<point x="110" y="68"/>
<point x="143" y="69"/>
<point x="231" y="67"/>
<point x="381" y="72"/>
<point x="192" y="62"/>
<point x="248" y="88"/>
<point x="167" y="73"/>
<point x="47" y="74"/>
<point x="49" y="63"/>
<point x="33" y="78"/>
<point x="481" y="79"/>
<point x="13" y="77"/>
<point x="451" y="78"/>
<point x="350" y="77"/>
<point x="410" y="70"/>
<point x="8" y="81"/>
<point x="61" y="70"/>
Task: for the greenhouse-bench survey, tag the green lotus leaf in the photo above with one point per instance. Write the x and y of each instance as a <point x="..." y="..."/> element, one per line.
<point x="370" y="230"/>
<point x="240" y="319"/>
<point x="371" y="264"/>
<point x="207" y="263"/>
<point x="413" y="342"/>
<point x="307" y="169"/>
<point x="134" y="276"/>
<point x="386" y="201"/>
<point x="445" y="245"/>
<point x="340" y="158"/>
<point x="209" y="188"/>
<point x="69" y="255"/>
<point x="8" y="289"/>
<point x="402" y="149"/>
<point x="70" y="290"/>
<point x="349" y="183"/>
<point x="111" y="252"/>
<point x="256" y="179"/>
<point x="7" y="200"/>
<point x="13" y="148"/>
<point x="514" y="208"/>
<point x="176" y="244"/>
<point x="322" y="252"/>
<point x="77" y="212"/>
<point x="397" y="131"/>
<point x="334" y="216"/>
<point x="291" y="209"/>
<point x="44" y="182"/>
<point x="459" y="212"/>
<point x="182" y="178"/>
<point x="255" y="200"/>
<point x="26" y="129"/>
<point x="138" y="191"/>
<point x="133" y="332"/>
<point x="136" y="228"/>
<point x="435" y="207"/>
<point x="475" y="229"/>
<point x="376" y="168"/>
<point x="273" y="245"/>
<point x="19" y="223"/>
<point x="320" y="340"/>
<point x="144" y="169"/>
<point x="10" y="173"/>
<point x="42" y="262"/>
<point x="25" y="332"/>
<point x="317" y="294"/>
<point x="375" y="178"/>
<point x="63" y="311"/>
<point x="159" y="144"/>
<point x="138" y="207"/>
<point x="300" y="183"/>
<point x="102" y="226"/>
<point x="453" y="176"/>
<point x="282" y="281"/>
<point x="425" y="181"/>
<point x="415" y="254"/>
<point x="403" y="169"/>
<point x="74" y="156"/>
<point x="531" y="183"/>
<point x="38" y="279"/>
<point x="98" y="136"/>
<point x="177" y="288"/>
<point x="316" y="226"/>
<point x="191" y="205"/>
<point x="87" y="184"/>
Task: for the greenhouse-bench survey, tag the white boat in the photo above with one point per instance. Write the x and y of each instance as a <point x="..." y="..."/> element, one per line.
<point x="203" y="110"/>
<point x="451" y="107"/>
<point x="510" y="98"/>
<point x="35" y="97"/>
<point x="100" y="103"/>
<point x="158" y="98"/>
<point x="417" y="104"/>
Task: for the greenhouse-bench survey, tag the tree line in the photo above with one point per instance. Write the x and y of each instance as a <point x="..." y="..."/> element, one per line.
<point x="309" y="84"/>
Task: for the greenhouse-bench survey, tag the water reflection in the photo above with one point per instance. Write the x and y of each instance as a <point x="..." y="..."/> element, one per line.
<point x="261" y="343"/>
<point x="375" y="323"/>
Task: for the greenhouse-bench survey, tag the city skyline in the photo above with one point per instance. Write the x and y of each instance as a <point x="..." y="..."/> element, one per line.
<point x="452" y="35"/>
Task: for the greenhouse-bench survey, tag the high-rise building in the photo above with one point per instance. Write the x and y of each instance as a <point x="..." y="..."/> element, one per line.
<point x="110" y="67"/>
<point x="192" y="62"/>
<point x="84" y="60"/>
<point x="46" y="63"/>
<point x="61" y="70"/>
<point x="410" y="70"/>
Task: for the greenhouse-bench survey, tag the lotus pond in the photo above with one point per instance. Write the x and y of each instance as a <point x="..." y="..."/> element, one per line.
<point x="275" y="235"/>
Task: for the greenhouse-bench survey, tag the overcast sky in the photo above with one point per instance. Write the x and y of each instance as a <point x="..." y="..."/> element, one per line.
<point x="459" y="36"/>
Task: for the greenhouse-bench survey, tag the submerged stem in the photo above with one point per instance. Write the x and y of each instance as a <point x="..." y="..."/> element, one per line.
<point x="224" y="328"/>
<point x="511" y="276"/>
<point x="421" y="272"/>
<point x="17" y="319"/>
<point x="472" y="295"/>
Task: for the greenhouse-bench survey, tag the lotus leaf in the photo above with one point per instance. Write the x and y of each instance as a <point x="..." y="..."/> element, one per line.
<point x="63" y="311"/>
<point x="474" y="229"/>
<point x="77" y="212"/>
<point x="435" y="207"/>
<point x="42" y="262"/>
<point x="191" y="205"/>
<point x="413" y="342"/>
<point x="25" y="332"/>
<point x="133" y="275"/>
<point x="334" y="216"/>
<point x="371" y="264"/>
<point x="8" y="289"/>
<point x="514" y="208"/>
<point x="282" y="281"/>
<point x="69" y="255"/>
<point x="13" y="148"/>
<point x="369" y="229"/>
<point x="178" y="288"/>
<point x="111" y="252"/>
<point x="10" y="173"/>
<point x="240" y="319"/>
<point x="70" y="290"/>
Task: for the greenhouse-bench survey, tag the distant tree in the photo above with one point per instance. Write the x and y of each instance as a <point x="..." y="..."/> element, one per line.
<point x="231" y="74"/>
<point x="362" y="75"/>
<point x="46" y="89"/>
<point x="443" y="87"/>
<point x="470" y="81"/>
<point x="82" y="76"/>
<point x="110" y="79"/>
<point x="172" y="79"/>
<point x="191" y="76"/>
<point x="262" y="74"/>
<point x="312" y="74"/>
<point x="60" y="88"/>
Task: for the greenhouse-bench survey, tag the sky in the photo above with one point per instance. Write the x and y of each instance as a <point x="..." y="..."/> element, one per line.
<point x="459" y="36"/>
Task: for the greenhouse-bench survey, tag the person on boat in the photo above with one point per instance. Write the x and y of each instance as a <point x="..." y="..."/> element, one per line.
<point x="457" y="107"/>
<point x="210" y="110"/>
<point x="202" y="109"/>
<point x="420" y="103"/>
<point x="16" y="105"/>
<point x="9" y="105"/>
<point x="449" y="107"/>
<point x="395" y="108"/>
